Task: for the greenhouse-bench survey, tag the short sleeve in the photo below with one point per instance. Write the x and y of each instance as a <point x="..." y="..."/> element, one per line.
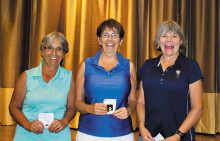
<point x="141" y="72"/>
<point x="194" y="73"/>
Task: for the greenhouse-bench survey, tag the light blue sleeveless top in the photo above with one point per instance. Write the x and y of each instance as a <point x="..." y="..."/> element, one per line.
<point x="42" y="97"/>
<point x="101" y="84"/>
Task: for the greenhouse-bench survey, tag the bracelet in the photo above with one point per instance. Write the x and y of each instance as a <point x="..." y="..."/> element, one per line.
<point x="181" y="134"/>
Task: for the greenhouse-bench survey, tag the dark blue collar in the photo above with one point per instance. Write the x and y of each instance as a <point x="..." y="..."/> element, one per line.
<point x="179" y="61"/>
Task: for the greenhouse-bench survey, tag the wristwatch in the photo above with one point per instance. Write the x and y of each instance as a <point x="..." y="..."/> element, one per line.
<point x="181" y="134"/>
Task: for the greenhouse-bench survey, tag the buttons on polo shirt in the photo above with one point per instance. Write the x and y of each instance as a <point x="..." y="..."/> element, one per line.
<point x="109" y="74"/>
<point x="162" y="78"/>
<point x="161" y="81"/>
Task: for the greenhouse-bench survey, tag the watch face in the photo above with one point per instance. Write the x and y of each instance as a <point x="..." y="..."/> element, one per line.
<point x="182" y="135"/>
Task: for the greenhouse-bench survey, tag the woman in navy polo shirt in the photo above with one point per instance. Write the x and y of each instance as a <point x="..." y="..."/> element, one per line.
<point x="106" y="85"/>
<point x="170" y="98"/>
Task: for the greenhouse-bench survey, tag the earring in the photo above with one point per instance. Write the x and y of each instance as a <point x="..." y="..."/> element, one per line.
<point x="42" y="61"/>
<point x="61" y="63"/>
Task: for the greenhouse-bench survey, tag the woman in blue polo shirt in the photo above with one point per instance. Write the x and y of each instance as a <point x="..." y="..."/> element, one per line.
<point x="106" y="85"/>
<point x="170" y="98"/>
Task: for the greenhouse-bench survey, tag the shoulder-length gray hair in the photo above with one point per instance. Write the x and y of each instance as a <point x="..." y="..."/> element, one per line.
<point x="166" y="27"/>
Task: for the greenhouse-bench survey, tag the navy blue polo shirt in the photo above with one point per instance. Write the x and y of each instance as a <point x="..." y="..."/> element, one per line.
<point x="167" y="97"/>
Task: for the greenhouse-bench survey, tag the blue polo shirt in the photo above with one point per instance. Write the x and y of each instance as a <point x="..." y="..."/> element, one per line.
<point x="167" y="97"/>
<point x="101" y="84"/>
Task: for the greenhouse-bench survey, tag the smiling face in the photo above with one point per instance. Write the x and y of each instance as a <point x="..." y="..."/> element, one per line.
<point x="110" y="41"/>
<point x="170" y="43"/>
<point x="53" y="53"/>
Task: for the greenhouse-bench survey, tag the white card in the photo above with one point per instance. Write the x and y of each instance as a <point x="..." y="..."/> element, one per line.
<point x="46" y="118"/>
<point x="159" y="137"/>
<point x="111" y="105"/>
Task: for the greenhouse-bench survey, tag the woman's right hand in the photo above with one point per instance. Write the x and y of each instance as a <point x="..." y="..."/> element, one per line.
<point x="98" y="109"/>
<point x="145" y="134"/>
<point x="35" y="126"/>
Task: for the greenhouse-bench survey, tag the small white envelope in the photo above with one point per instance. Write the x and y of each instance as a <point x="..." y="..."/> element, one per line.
<point x="159" y="137"/>
<point x="111" y="105"/>
<point x="46" y="118"/>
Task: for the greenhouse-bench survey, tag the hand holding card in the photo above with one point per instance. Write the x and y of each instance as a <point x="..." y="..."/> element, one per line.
<point x="111" y="105"/>
<point x="46" y="118"/>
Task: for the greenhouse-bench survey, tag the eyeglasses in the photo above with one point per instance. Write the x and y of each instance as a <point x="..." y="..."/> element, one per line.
<point x="107" y="35"/>
<point x="57" y="49"/>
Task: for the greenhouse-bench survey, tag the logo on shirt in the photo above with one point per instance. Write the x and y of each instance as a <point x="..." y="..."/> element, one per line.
<point x="177" y="73"/>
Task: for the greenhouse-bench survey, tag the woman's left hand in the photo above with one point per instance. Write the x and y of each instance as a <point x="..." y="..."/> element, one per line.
<point x="57" y="125"/>
<point x="121" y="113"/>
